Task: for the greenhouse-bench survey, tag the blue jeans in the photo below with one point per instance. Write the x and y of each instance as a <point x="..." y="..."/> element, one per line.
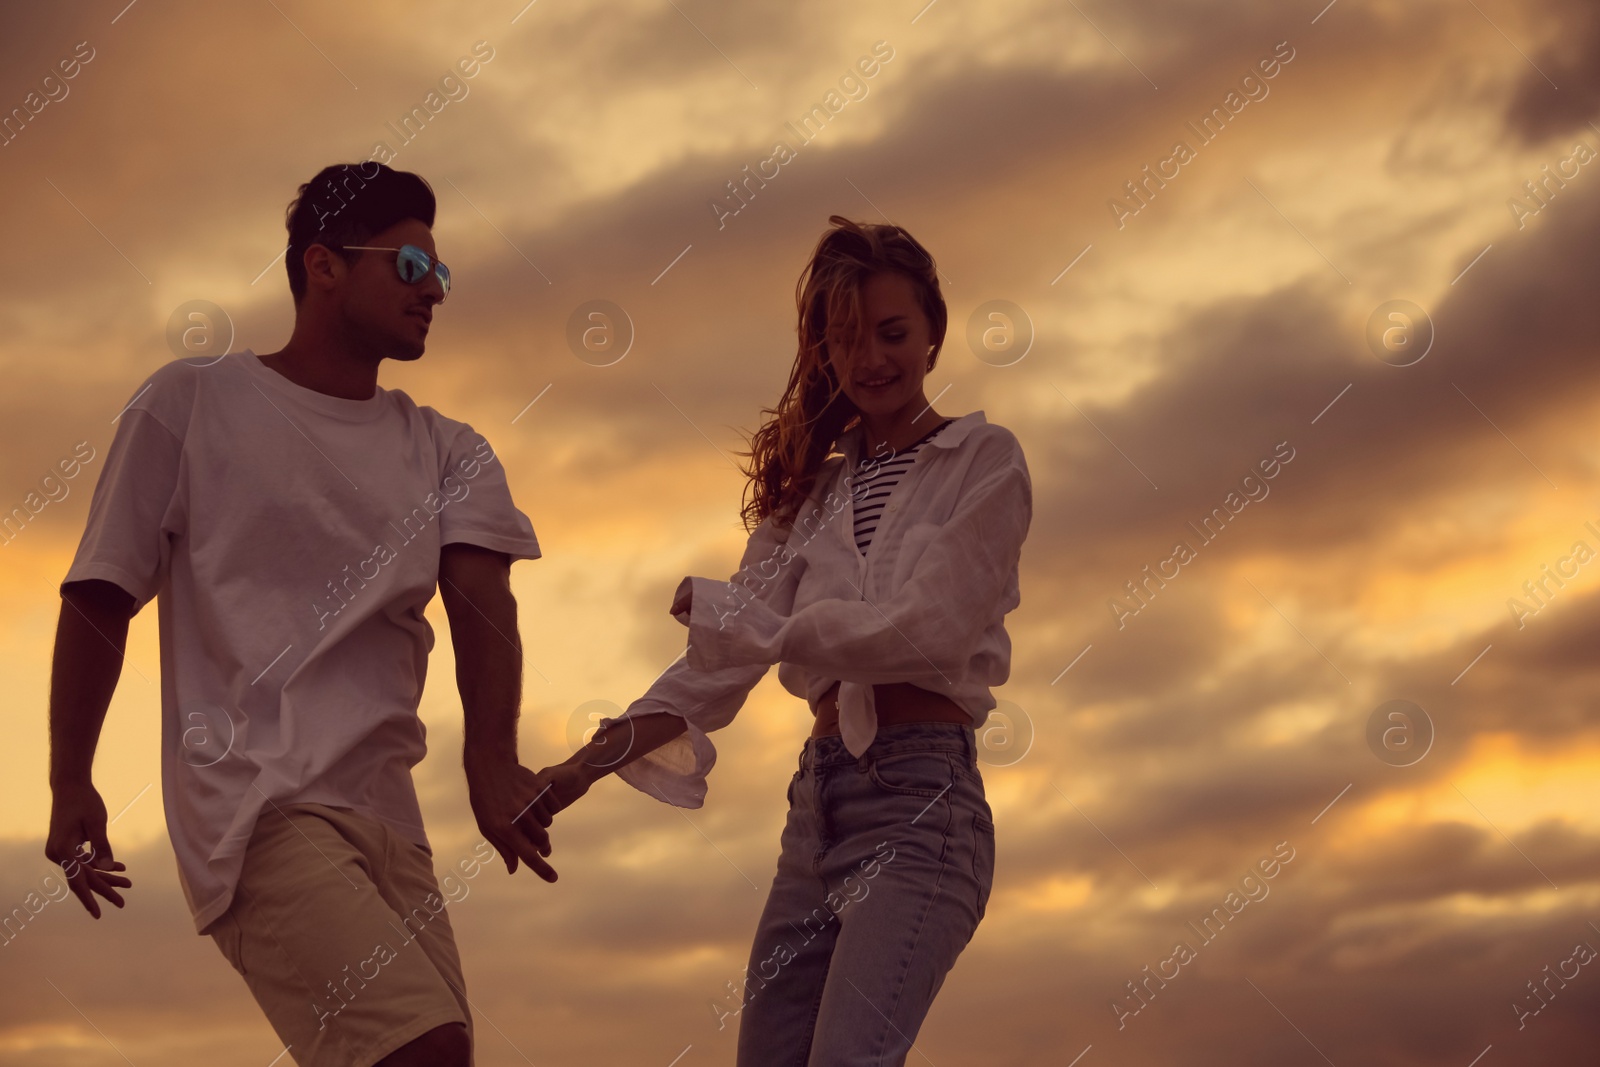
<point x="884" y="874"/>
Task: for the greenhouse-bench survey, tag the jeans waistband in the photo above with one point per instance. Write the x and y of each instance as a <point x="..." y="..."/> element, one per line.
<point x="830" y="750"/>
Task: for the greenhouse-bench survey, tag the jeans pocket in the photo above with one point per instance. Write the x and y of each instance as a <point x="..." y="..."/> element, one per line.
<point x="912" y="774"/>
<point x="983" y="858"/>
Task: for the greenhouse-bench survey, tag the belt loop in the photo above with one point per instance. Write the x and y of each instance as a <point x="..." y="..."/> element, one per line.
<point x="861" y="764"/>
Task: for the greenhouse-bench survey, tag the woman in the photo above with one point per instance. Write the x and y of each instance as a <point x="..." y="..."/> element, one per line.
<point x="879" y="580"/>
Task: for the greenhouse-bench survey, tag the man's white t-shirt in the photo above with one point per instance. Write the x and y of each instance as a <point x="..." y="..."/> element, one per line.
<point x="293" y="538"/>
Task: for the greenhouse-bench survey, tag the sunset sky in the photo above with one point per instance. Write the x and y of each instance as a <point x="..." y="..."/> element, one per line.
<point x="1169" y="350"/>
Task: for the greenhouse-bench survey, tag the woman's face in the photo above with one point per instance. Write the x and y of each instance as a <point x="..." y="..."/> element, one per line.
<point x="884" y="376"/>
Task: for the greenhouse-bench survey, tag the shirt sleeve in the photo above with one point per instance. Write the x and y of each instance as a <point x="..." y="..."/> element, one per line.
<point x="708" y="700"/>
<point x="132" y="518"/>
<point x="478" y="509"/>
<point x="931" y="622"/>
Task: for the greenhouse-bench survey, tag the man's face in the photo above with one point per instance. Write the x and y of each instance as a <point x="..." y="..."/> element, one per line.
<point x="388" y="313"/>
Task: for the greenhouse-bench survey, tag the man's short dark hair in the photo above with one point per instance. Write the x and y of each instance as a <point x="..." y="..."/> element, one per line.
<point x="346" y="204"/>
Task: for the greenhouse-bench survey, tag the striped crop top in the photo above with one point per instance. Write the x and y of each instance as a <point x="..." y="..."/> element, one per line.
<point x="872" y="491"/>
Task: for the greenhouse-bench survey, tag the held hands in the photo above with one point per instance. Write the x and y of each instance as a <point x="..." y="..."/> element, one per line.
<point x="498" y="785"/>
<point x="499" y="788"/>
<point x="77" y="841"/>
<point x="513" y="807"/>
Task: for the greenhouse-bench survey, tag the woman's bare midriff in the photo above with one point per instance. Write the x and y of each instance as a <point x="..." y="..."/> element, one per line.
<point x="896" y="703"/>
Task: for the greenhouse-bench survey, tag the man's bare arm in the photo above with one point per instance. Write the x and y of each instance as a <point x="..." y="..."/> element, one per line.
<point x="475" y="585"/>
<point x="91" y="636"/>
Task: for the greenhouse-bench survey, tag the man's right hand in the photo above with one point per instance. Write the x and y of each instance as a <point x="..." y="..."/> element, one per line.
<point x="78" y="823"/>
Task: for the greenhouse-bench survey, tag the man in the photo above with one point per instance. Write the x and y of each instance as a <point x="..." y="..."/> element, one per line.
<point x="294" y="520"/>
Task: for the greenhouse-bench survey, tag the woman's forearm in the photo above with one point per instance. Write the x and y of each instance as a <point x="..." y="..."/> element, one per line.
<point x="622" y="742"/>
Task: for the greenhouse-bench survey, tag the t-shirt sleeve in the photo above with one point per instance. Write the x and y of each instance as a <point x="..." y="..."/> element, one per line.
<point x="134" y="513"/>
<point x="478" y="507"/>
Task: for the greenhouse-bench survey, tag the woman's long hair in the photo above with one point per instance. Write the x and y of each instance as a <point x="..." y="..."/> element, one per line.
<point x="787" y="451"/>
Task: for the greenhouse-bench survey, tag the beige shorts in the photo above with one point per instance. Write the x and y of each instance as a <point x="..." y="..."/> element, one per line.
<point x="339" y="930"/>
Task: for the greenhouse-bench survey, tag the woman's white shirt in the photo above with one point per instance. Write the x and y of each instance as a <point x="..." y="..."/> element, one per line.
<point x="926" y="604"/>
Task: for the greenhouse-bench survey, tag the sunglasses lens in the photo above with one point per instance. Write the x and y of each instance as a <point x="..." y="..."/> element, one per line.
<point x="413" y="263"/>
<point x="444" y="276"/>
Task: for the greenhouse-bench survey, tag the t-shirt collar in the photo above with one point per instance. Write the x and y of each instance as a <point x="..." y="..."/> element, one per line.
<point x="336" y="406"/>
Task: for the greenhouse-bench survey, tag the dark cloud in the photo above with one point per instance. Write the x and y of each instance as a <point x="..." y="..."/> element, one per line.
<point x="1560" y="93"/>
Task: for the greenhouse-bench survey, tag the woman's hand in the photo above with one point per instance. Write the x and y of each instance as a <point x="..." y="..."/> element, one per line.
<point x="562" y="784"/>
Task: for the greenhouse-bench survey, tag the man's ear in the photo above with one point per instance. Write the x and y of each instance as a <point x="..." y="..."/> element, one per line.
<point x="324" y="267"/>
